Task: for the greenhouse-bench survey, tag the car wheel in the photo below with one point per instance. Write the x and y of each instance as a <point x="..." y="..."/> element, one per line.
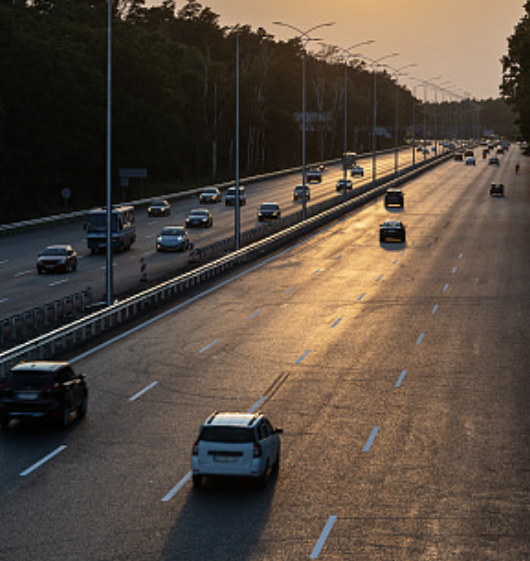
<point x="39" y="270"/>
<point x="381" y="239"/>
<point x="83" y="407"/>
<point x="276" y="466"/>
<point x="264" y="478"/>
<point x="197" y="481"/>
<point x="64" y="418"/>
<point x="4" y="421"/>
<point x="74" y="267"/>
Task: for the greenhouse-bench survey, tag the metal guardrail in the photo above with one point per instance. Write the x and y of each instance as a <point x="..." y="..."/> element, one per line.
<point x="24" y="325"/>
<point x="67" y="337"/>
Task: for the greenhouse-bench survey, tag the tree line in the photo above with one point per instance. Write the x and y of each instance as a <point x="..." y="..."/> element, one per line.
<point x="516" y="72"/>
<point x="173" y="100"/>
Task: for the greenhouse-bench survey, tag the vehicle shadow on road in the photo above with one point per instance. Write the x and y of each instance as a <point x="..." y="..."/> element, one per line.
<point x="232" y="514"/>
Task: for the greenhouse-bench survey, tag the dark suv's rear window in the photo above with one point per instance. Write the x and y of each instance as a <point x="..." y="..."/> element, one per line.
<point x="20" y="380"/>
<point x="227" y="434"/>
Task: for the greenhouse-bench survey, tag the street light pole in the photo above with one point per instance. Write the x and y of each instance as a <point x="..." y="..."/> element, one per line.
<point x="109" y="276"/>
<point x="374" y="140"/>
<point x="398" y="72"/>
<point x="346" y="53"/>
<point x="237" y="222"/>
<point x="304" y="38"/>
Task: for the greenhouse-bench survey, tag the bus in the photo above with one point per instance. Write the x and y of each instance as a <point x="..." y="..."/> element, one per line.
<point x="122" y="226"/>
<point x="349" y="159"/>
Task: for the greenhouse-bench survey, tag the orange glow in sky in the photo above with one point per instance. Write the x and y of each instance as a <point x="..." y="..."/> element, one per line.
<point x="460" y="40"/>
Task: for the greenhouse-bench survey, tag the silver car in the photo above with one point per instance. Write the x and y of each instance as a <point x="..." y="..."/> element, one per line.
<point x="173" y="238"/>
<point x="236" y="445"/>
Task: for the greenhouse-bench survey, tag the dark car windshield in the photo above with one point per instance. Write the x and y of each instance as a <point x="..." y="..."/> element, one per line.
<point x="227" y="434"/>
<point x="172" y="232"/>
<point x="20" y="380"/>
<point x="54" y="251"/>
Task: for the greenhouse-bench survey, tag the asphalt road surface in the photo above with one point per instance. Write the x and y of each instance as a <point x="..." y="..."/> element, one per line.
<point x="23" y="289"/>
<point x="398" y="372"/>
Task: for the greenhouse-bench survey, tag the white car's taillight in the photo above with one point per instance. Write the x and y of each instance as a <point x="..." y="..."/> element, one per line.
<point x="195" y="449"/>
<point x="257" y="450"/>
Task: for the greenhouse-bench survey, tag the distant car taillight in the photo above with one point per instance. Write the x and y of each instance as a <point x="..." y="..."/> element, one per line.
<point x="195" y="449"/>
<point x="257" y="450"/>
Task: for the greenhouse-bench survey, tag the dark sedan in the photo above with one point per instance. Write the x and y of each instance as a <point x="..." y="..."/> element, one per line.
<point x="57" y="258"/>
<point x="199" y="218"/>
<point x="159" y="208"/>
<point x="269" y="211"/>
<point x="210" y="195"/>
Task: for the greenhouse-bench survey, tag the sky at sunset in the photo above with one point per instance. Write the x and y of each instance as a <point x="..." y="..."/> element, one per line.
<point x="460" y="40"/>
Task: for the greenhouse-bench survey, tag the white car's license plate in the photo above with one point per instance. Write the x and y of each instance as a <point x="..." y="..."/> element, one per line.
<point x="226" y="458"/>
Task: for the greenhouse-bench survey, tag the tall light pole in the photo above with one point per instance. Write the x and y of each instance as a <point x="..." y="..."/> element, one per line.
<point x="375" y="64"/>
<point x="346" y="54"/>
<point x="109" y="277"/>
<point x="398" y="72"/>
<point x="304" y="38"/>
<point x="237" y="221"/>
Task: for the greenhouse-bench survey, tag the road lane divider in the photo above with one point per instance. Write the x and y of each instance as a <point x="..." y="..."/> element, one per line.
<point x="323" y="537"/>
<point x="141" y="392"/>
<point x="435" y="309"/>
<point x="303" y="357"/>
<point x="209" y="346"/>
<point x="43" y="461"/>
<point x="336" y="323"/>
<point x="371" y="439"/>
<point x="255" y="314"/>
<point x="420" y="338"/>
<point x="401" y="378"/>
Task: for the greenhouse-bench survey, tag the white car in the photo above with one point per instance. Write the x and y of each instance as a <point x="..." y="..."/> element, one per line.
<point x="236" y="445"/>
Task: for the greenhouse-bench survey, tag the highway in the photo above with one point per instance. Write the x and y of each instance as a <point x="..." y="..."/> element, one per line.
<point x="23" y="289"/>
<point x="398" y="372"/>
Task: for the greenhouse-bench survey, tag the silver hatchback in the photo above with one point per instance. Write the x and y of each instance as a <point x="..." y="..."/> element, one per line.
<point x="236" y="445"/>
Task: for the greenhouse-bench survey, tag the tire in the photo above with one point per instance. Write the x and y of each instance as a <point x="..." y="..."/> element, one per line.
<point x="263" y="479"/>
<point x="276" y="466"/>
<point x="381" y="239"/>
<point x="83" y="407"/>
<point x="64" y="418"/>
<point x="197" y="481"/>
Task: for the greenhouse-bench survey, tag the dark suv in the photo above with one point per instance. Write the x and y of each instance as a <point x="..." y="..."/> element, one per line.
<point x="42" y="389"/>
<point x="394" y="197"/>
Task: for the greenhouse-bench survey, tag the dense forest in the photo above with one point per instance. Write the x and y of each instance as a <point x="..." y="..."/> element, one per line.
<point x="516" y="73"/>
<point x="173" y="101"/>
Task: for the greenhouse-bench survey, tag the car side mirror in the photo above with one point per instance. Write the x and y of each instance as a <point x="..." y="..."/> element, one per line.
<point x="278" y="431"/>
